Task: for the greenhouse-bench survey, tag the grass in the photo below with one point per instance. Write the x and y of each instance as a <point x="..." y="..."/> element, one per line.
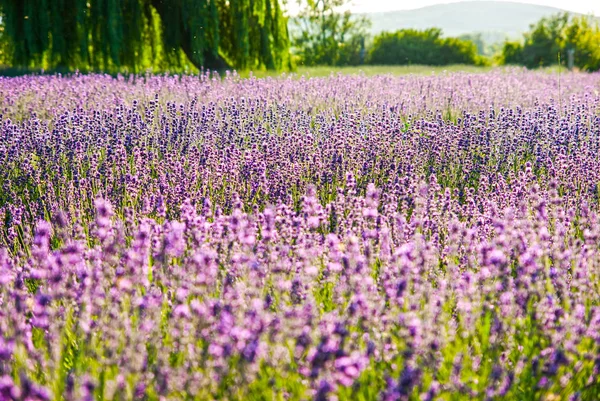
<point x="370" y="70"/>
<point x="319" y="71"/>
<point x="398" y="70"/>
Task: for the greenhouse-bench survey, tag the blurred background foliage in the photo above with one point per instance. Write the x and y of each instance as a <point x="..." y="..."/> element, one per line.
<point x="135" y="36"/>
<point x="326" y="34"/>
<point x="552" y="38"/>
<point x="409" y="46"/>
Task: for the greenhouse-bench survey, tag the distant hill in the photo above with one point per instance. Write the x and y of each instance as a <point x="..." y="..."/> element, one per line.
<point x="496" y="20"/>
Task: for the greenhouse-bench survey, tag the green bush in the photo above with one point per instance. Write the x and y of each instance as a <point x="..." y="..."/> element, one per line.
<point x="512" y="53"/>
<point x="410" y="46"/>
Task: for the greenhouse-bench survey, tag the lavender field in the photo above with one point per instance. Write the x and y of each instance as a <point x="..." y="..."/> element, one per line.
<point x="339" y="238"/>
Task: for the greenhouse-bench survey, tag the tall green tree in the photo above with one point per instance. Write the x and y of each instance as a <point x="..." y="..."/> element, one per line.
<point x="545" y="41"/>
<point x="112" y="34"/>
<point x="326" y="34"/>
<point x="556" y="35"/>
<point x="582" y="36"/>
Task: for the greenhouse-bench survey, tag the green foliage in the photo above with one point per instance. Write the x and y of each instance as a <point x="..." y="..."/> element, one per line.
<point x="545" y="41"/>
<point x="551" y="38"/>
<point x="113" y="35"/>
<point x="482" y="43"/>
<point x="512" y="53"/>
<point x="410" y="46"/>
<point x="4" y="49"/>
<point x="477" y="39"/>
<point x="327" y="36"/>
<point x="584" y="37"/>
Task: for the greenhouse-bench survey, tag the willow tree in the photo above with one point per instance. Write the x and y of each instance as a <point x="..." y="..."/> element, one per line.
<point x="115" y="34"/>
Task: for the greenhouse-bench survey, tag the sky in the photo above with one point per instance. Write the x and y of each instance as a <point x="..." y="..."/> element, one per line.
<point x="579" y="6"/>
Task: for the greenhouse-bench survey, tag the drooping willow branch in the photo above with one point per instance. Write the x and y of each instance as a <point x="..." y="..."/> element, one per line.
<point x="110" y="34"/>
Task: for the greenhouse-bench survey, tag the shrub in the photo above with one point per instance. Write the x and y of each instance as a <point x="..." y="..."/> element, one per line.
<point x="410" y="46"/>
<point x="512" y="53"/>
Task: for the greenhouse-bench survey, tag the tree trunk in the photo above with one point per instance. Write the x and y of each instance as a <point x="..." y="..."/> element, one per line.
<point x="210" y="61"/>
